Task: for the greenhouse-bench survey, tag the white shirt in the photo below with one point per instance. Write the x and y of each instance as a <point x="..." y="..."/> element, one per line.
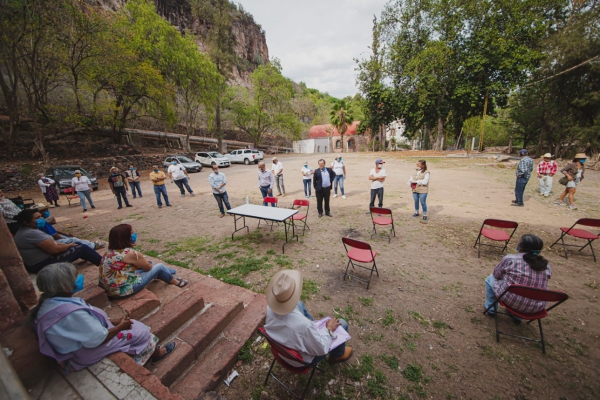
<point x="265" y="179"/>
<point x="275" y="168"/>
<point x="81" y="184"/>
<point x="380" y="174"/>
<point x="44" y="185"/>
<point x="177" y="171"/>
<point x="421" y="182"/>
<point x="338" y="167"/>
<point x="308" y="171"/>
<point x="297" y="332"/>
<point x="216" y="180"/>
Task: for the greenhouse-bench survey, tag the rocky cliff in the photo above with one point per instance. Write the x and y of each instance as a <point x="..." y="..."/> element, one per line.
<point x="251" y="48"/>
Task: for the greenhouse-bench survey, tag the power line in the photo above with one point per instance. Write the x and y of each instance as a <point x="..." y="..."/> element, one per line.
<point x="565" y="71"/>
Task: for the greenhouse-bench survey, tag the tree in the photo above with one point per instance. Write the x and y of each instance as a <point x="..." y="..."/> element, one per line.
<point x="341" y="118"/>
<point x="265" y="107"/>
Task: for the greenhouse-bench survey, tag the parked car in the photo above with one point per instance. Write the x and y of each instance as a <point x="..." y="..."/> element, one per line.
<point x="245" y="156"/>
<point x="63" y="174"/>
<point x="188" y="164"/>
<point x="212" y="157"/>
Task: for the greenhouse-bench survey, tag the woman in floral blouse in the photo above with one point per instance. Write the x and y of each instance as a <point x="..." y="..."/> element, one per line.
<point x="125" y="271"/>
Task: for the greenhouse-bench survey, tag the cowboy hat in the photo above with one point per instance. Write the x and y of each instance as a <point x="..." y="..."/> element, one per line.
<point x="274" y="159"/>
<point x="547" y="155"/>
<point x="284" y="290"/>
<point x="580" y="155"/>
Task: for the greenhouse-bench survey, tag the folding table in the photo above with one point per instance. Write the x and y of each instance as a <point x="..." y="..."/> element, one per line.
<point x="274" y="214"/>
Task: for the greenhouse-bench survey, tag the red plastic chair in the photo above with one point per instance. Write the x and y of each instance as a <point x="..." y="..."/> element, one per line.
<point x="383" y="218"/>
<point x="361" y="252"/>
<point x="269" y="200"/>
<point x="280" y="354"/>
<point x="72" y="200"/>
<point x="301" y="217"/>
<point x="537" y="294"/>
<point x="497" y="235"/>
<point x="580" y="234"/>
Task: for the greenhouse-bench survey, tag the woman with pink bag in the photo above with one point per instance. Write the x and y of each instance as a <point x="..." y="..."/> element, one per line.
<point x="419" y="183"/>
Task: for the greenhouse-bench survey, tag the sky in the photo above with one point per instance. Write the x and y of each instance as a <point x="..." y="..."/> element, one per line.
<point x="318" y="40"/>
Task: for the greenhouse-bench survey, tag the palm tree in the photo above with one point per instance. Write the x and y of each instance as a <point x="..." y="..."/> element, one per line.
<point x="341" y="118"/>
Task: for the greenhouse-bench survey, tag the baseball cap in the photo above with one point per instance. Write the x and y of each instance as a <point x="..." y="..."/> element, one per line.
<point x="522" y="152"/>
<point x="379" y="161"/>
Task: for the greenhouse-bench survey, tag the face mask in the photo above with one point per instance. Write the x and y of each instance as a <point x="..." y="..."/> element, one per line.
<point x="582" y="161"/>
<point x="305" y="165"/>
<point x="78" y="175"/>
<point x="78" y="283"/>
<point x="40" y="223"/>
<point x="133" y="237"/>
<point x="131" y="168"/>
<point x="340" y="159"/>
<point x="517" y="249"/>
<point x="379" y="165"/>
<point x="174" y="162"/>
<point x="155" y="170"/>
<point x="46" y="214"/>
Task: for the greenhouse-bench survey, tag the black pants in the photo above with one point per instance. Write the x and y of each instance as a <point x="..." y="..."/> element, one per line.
<point x="323" y="195"/>
<point x="13" y="227"/>
<point x="121" y="192"/>
<point x="72" y="254"/>
<point x="379" y="194"/>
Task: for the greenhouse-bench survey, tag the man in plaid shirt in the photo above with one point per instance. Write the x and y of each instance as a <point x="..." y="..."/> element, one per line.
<point x="524" y="169"/>
<point x="514" y="270"/>
<point x="545" y="171"/>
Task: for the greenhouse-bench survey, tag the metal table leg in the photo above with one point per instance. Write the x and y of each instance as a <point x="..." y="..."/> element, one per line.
<point x="286" y="226"/>
<point x="235" y="220"/>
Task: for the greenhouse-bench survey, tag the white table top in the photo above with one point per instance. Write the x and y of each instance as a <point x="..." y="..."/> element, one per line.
<point x="262" y="212"/>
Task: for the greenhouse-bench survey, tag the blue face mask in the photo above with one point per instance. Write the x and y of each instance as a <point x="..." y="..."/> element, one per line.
<point x="582" y="161"/>
<point x="340" y="159"/>
<point x="517" y="249"/>
<point x="46" y="214"/>
<point x="78" y="283"/>
<point x="155" y="170"/>
<point x="174" y="162"/>
<point x="133" y="237"/>
<point x="40" y="223"/>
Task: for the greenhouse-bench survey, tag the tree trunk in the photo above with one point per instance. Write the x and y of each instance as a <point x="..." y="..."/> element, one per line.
<point x="440" y="135"/>
<point x="429" y="134"/>
<point x="218" y="131"/>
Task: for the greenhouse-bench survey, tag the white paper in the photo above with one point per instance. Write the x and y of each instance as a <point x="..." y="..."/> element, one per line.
<point x="340" y="334"/>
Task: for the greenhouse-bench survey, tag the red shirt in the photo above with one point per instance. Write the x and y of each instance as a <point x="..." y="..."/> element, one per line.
<point x="547" y="168"/>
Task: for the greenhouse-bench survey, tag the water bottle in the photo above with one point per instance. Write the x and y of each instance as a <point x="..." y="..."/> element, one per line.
<point x="247" y="201"/>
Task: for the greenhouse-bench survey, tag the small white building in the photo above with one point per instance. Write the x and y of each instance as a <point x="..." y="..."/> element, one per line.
<point x="396" y="130"/>
<point x="309" y="146"/>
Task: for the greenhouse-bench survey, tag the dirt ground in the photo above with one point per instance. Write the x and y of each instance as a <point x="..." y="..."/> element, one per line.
<point x="418" y="332"/>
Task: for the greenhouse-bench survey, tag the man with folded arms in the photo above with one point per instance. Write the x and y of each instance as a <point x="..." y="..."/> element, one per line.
<point x="290" y="324"/>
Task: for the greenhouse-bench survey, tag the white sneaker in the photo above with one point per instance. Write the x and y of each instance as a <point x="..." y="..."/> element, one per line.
<point x="335" y="195"/>
<point x="343" y="197"/>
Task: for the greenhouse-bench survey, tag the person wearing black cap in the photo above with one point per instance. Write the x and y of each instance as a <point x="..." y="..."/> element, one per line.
<point x="524" y="169"/>
<point x="377" y="177"/>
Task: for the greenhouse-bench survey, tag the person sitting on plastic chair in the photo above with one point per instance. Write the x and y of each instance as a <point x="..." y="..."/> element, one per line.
<point x="289" y="323"/>
<point x="527" y="268"/>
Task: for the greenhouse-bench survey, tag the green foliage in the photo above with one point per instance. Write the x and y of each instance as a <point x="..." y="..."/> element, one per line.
<point x="309" y="287"/>
<point x="341" y="117"/>
<point x="366" y="301"/>
<point x="390" y="361"/>
<point x="388" y="319"/>
<point x="245" y="354"/>
<point x="413" y="373"/>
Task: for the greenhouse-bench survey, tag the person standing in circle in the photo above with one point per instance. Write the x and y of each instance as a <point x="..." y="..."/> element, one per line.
<point x="179" y="175"/>
<point x="574" y="174"/>
<point x="158" y="180"/>
<point x="419" y="183"/>
<point x="118" y="185"/>
<point x="523" y="173"/>
<point x="377" y="177"/>
<point x="217" y="182"/>
<point x="322" y="183"/>
<point x="277" y="170"/>
<point x="83" y="187"/>
<point x="133" y="177"/>
<point x="48" y="189"/>
<point x="339" y="168"/>
<point x="545" y="171"/>
<point x="307" y="179"/>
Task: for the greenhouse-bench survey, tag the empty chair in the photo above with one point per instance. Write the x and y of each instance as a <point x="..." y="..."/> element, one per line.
<point x="537" y="294"/>
<point x="72" y="198"/>
<point x="361" y="252"/>
<point x="301" y="204"/>
<point x="283" y="355"/>
<point x="382" y="217"/>
<point x="580" y="234"/>
<point x="497" y="235"/>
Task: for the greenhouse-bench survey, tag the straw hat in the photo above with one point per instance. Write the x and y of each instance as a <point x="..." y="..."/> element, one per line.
<point x="274" y="159"/>
<point x="284" y="290"/>
<point x="547" y="155"/>
<point x="580" y="155"/>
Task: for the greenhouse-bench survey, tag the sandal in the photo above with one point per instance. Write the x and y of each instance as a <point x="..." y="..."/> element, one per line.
<point x="99" y="244"/>
<point x="181" y="283"/>
<point x="170" y="347"/>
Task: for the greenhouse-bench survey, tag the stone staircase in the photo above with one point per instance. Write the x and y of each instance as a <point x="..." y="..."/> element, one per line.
<point x="210" y="321"/>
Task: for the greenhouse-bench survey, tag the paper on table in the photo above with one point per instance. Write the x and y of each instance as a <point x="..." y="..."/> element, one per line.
<point x="340" y="334"/>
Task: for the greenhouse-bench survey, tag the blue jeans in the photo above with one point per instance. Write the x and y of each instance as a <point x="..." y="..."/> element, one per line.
<point x="158" y="189"/>
<point x="265" y="192"/>
<point x="121" y="192"/>
<point x="158" y="271"/>
<point x="307" y="186"/>
<point x="379" y="194"/>
<point x="490" y="297"/>
<point x="520" y="189"/>
<point x="338" y="351"/>
<point x="181" y="183"/>
<point x="82" y="196"/>
<point x="420" y="197"/>
<point x="222" y="198"/>
<point x="133" y="186"/>
<point x="339" y="179"/>
<point x="69" y="240"/>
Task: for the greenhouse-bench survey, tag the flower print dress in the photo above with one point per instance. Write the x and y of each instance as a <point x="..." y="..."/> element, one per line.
<point x="117" y="277"/>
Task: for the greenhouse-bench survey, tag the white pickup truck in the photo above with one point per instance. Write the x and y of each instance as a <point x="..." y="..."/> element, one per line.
<point x="245" y="156"/>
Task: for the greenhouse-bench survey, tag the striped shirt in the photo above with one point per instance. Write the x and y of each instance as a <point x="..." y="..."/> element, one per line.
<point x="514" y="270"/>
<point x="547" y="168"/>
<point x="525" y="167"/>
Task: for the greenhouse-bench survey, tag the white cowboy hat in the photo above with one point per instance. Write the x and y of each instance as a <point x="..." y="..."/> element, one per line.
<point x="580" y="155"/>
<point x="547" y="155"/>
<point x="274" y="159"/>
<point x="284" y="290"/>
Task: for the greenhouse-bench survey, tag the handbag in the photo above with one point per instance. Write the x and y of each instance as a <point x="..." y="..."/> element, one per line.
<point x="563" y="180"/>
<point x="414" y="185"/>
